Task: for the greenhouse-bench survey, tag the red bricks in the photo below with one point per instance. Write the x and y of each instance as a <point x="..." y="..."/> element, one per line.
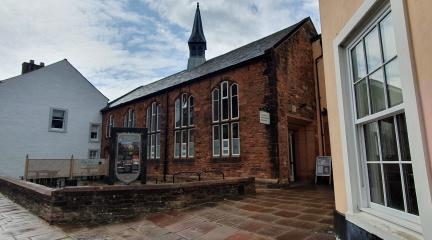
<point x="289" y="94"/>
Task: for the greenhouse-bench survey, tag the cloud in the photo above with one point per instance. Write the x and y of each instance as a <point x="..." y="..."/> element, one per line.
<point x="120" y="45"/>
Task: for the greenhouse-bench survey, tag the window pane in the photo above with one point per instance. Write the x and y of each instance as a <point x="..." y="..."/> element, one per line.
<point x="177" y="112"/>
<point x="373" y="52"/>
<point x="184" y="110"/>
<point x="152" y="148"/>
<point x="393" y="186"/>
<point x="158" y="117"/>
<point x="125" y="120"/>
<point x="224" y="108"/>
<point x="216" y="141"/>
<point x="358" y="62"/>
<point x="371" y="142"/>
<point x="225" y="140"/>
<point x="148" y="119"/>
<point x="375" y="183"/>
<point x="235" y="139"/>
<point x="153" y="121"/>
<point x="361" y="98"/>
<point x="234" y="90"/>
<point x="235" y="130"/>
<point x="411" y="197"/>
<point x="388" y="140"/>
<point x="393" y="83"/>
<point x="191" y="111"/>
<point x="158" y="145"/>
<point x="215" y="105"/>
<point x="376" y="88"/>
<point x="184" y="143"/>
<point x="224" y="89"/>
<point x="58" y="114"/>
<point x="387" y="36"/>
<point x="177" y="144"/>
<point x="234" y="107"/>
<point x="191" y="143"/>
<point x="403" y="138"/>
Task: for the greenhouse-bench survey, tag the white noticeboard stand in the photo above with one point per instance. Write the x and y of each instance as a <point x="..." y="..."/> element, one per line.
<point x="323" y="167"/>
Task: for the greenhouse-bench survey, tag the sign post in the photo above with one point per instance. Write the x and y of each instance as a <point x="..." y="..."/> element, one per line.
<point x="323" y="168"/>
<point x="128" y="155"/>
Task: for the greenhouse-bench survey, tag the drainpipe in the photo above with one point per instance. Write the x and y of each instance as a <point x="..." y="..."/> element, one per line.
<point x="319" y="100"/>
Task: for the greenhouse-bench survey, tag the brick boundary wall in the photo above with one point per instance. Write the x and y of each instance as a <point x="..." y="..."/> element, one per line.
<point x="112" y="203"/>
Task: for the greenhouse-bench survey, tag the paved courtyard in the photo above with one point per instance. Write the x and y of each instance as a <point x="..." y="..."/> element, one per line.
<point x="16" y="223"/>
<point x="297" y="213"/>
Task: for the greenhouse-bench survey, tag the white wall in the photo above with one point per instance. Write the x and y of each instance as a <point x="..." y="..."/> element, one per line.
<point x="25" y="103"/>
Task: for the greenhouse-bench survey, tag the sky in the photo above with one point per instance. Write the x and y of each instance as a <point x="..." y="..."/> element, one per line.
<point x="119" y="45"/>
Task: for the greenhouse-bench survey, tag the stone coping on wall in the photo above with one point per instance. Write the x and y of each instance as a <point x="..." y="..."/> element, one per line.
<point x="115" y="202"/>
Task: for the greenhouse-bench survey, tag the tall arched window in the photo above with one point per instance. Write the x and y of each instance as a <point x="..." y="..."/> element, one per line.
<point x="225" y="127"/>
<point x="129" y="119"/>
<point x="153" y="131"/>
<point x="184" y="136"/>
<point x="110" y="124"/>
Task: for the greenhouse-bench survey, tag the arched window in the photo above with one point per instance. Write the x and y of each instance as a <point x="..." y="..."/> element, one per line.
<point x="110" y="124"/>
<point x="184" y="136"/>
<point x="153" y="131"/>
<point x="225" y="127"/>
<point x="129" y="119"/>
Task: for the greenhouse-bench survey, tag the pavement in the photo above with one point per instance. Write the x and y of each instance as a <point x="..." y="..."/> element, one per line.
<point x="16" y="223"/>
<point x="295" y="213"/>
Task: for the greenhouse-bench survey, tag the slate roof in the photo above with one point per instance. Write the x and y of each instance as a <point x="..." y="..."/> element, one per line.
<point x="234" y="57"/>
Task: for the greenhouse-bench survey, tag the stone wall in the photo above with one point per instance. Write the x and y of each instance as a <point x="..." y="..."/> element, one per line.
<point x="111" y="203"/>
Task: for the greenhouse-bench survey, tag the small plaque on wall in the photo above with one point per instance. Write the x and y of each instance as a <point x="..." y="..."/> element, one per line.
<point x="264" y="117"/>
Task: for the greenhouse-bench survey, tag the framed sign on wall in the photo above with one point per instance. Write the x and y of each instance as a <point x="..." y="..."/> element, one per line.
<point x="128" y="156"/>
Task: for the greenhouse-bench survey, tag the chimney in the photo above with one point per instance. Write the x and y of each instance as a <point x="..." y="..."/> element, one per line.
<point x="30" y="66"/>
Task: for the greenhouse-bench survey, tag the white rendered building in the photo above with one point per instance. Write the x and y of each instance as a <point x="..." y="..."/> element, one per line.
<point x="48" y="112"/>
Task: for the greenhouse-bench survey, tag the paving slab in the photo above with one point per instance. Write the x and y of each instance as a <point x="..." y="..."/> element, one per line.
<point x="294" y="213"/>
<point x="18" y="223"/>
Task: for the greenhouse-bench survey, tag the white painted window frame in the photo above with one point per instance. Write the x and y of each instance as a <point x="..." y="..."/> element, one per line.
<point x="232" y="139"/>
<point x="97" y="132"/>
<point x="383" y="225"/>
<point x="213" y="105"/>
<point x="231" y="101"/>
<point x="222" y="119"/>
<point x="95" y="150"/>
<point x="65" y="120"/>
<point x="218" y="154"/>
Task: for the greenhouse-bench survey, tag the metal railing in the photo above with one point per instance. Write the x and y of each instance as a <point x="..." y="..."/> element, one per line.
<point x="198" y="173"/>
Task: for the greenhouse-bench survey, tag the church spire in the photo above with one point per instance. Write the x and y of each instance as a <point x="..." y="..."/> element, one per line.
<point x="197" y="42"/>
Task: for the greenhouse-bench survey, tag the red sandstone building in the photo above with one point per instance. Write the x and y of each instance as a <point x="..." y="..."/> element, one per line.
<point x="255" y="111"/>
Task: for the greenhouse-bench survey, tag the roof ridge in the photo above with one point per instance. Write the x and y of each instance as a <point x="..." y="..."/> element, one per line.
<point x="209" y="65"/>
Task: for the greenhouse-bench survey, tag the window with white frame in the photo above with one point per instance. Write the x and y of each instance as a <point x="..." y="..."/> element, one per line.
<point x="380" y="119"/>
<point x="184" y="122"/>
<point x="58" y="120"/>
<point x="93" y="154"/>
<point x="110" y="124"/>
<point x="129" y="119"/>
<point x="225" y="125"/>
<point x="153" y="131"/>
<point x="94" y="132"/>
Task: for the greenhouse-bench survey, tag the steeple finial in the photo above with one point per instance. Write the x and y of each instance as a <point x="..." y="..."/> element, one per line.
<point x="197" y="42"/>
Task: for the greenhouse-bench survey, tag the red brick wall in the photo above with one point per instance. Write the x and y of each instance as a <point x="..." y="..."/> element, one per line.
<point x="254" y="159"/>
<point x="297" y="102"/>
<point x="281" y="83"/>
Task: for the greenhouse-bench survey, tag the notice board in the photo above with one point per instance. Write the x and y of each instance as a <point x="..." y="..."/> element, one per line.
<point x="323" y="167"/>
